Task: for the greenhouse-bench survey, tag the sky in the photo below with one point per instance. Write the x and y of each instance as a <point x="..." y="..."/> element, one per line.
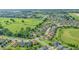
<point x="39" y="4"/>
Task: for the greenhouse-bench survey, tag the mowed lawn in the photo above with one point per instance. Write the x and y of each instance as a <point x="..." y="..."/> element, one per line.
<point x="18" y="24"/>
<point x="70" y="36"/>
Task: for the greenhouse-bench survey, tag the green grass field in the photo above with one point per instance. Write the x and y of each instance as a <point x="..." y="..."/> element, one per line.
<point x="68" y="37"/>
<point x="18" y="24"/>
<point x="75" y="15"/>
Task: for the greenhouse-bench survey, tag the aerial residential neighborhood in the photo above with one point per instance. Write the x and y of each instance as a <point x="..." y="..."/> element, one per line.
<point x="35" y="29"/>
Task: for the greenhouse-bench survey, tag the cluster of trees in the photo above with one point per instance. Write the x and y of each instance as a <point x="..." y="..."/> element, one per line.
<point x="5" y="31"/>
<point x="24" y="33"/>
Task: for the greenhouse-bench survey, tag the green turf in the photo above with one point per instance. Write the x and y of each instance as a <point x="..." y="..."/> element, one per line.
<point x="68" y="37"/>
<point x="18" y="24"/>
